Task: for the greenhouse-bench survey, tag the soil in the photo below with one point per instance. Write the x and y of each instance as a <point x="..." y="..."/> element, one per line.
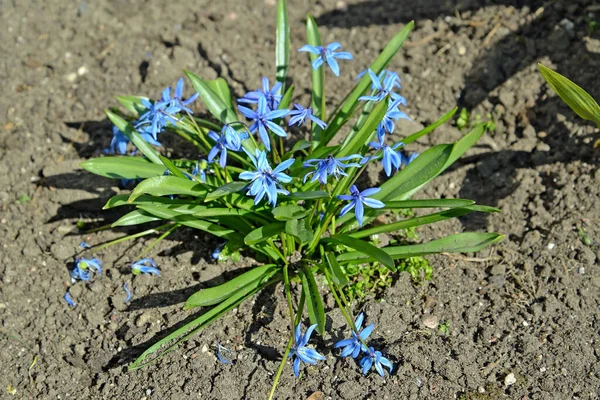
<point x="522" y="317"/>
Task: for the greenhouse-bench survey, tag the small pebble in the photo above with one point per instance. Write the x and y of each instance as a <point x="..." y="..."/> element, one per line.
<point x="551" y="246"/>
<point x="581" y="270"/>
<point x="525" y="323"/>
<point x="462" y="50"/>
<point x="431" y="321"/>
<point x="204" y="349"/>
<point x="510" y="380"/>
<point x="148" y="392"/>
<point x="543" y="369"/>
<point x="481" y="389"/>
<point x="71" y="77"/>
<point x="82" y="70"/>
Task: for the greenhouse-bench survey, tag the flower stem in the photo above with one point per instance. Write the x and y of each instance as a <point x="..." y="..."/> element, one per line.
<point x="134" y="236"/>
<point x="281" y="365"/>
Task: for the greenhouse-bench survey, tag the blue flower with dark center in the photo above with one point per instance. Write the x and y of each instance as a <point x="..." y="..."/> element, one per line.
<point x="354" y="345"/>
<point x="327" y="54"/>
<point x="303" y="353"/>
<point x="119" y="141"/>
<point x="392" y="115"/>
<point x="84" y="267"/>
<point x="69" y="299"/>
<point x="301" y="113"/>
<point x="229" y="139"/>
<point x="177" y="100"/>
<point x="383" y="74"/>
<point x="375" y="358"/>
<point x="145" y="266"/>
<point x="266" y="181"/>
<point x="384" y="89"/>
<point x="127" y="292"/>
<point x="156" y="117"/>
<point x="271" y="96"/>
<point x="391" y="158"/>
<point x="358" y="200"/>
<point x="329" y="166"/>
<point x="263" y="120"/>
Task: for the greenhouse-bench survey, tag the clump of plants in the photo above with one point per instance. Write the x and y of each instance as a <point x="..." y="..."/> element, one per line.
<point x="294" y="205"/>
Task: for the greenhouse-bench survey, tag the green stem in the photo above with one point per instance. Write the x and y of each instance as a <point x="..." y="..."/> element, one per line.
<point x="281" y="365"/>
<point x="134" y="236"/>
<point x="161" y="237"/>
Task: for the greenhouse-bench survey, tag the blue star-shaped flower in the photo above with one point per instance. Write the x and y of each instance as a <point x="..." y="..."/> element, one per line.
<point x="391" y="158"/>
<point x="392" y="115"/>
<point x="83" y="268"/>
<point x="145" y="266"/>
<point x="266" y="181"/>
<point x="354" y="345"/>
<point x="375" y="357"/>
<point x="263" y="120"/>
<point x="303" y="353"/>
<point x="301" y="113"/>
<point x="229" y="139"/>
<point x="357" y="199"/>
<point x="384" y="89"/>
<point x="327" y="54"/>
<point x="329" y="166"/>
<point x="272" y="96"/>
<point x="383" y="74"/>
<point x="177" y="99"/>
<point x="156" y="117"/>
<point x="200" y="169"/>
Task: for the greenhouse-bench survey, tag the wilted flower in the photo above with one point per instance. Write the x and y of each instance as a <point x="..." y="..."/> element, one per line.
<point x="83" y="268"/>
<point x="69" y="299"/>
<point x="145" y="266"/>
<point x="127" y="292"/>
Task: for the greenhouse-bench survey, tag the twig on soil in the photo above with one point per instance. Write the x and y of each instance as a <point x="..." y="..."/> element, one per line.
<point x="423" y="41"/>
<point x="104" y="52"/>
<point x="491" y="34"/>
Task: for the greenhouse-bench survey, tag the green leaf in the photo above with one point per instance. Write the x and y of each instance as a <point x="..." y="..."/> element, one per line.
<point x="366" y="131"/>
<point x="337" y="274"/>
<point x="300" y="229"/>
<point x="422" y="220"/>
<point x="135" y="217"/>
<point x="310" y="195"/>
<point x="468" y="242"/>
<point x="363" y="247"/>
<point x="193" y="222"/>
<point x="264" y="232"/>
<point x="124" y="167"/>
<point x="213" y="101"/>
<point x="351" y="102"/>
<point x="316" y="312"/>
<point x="133" y="104"/>
<point x="168" y="185"/>
<point x="300" y="145"/>
<point x="289" y="212"/>
<point x="429" y="203"/>
<point x="122" y="200"/>
<point x="216" y="294"/>
<point x="313" y="38"/>
<point x="445" y="118"/>
<point x="172" y="168"/>
<point x="286" y="99"/>
<point x="424" y="168"/>
<point x="135" y="137"/>
<point x="191" y="328"/>
<point x="576" y="97"/>
<point x="282" y="46"/>
<point x="228" y="188"/>
<point x="220" y="87"/>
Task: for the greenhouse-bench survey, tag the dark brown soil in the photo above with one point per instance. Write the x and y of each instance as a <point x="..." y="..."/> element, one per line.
<point x="527" y="309"/>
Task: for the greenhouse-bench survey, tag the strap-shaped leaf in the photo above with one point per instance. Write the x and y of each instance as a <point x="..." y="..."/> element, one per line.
<point x="135" y="217"/>
<point x="168" y="185"/>
<point x="576" y="97"/>
<point x="282" y="45"/>
<point x="172" y="168"/>
<point x="135" y="137"/>
<point x="220" y="87"/>
<point x="428" y="129"/>
<point x="363" y="247"/>
<point x="310" y="195"/>
<point x="133" y="104"/>
<point x="216" y="294"/>
<point x="468" y="242"/>
<point x="228" y="188"/>
<point x="316" y="311"/>
<point x="216" y="106"/>
<point x="124" y="167"/>
<point x="337" y="274"/>
<point x="428" y="203"/>
<point x="264" y="232"/>
<point x="289" y="211"/>
<point x="350" y="104"/>
<point x="313" y="38"/>
<point x="359" y="138"/>
<point x="286" y="99"/>
<point x="123" y="200"/>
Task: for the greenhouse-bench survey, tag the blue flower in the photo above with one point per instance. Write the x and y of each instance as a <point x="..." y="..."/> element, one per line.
<point x="354" y="345"/>
<point x="119" y="141"/>
<point x="157" y="116"/>
<point x="383" y="74"/>
<point x="145" y="266"/>
<point x="200" y="169"/>
<point x="263" y="119"/>
<point x="177" y="101"/>
<point x="303" y="353"/>
<point x="391" y="158"/>
<point x="84" y="245"/>
<point x="266" y="181"/>
<point x="220" y="356"/>
<point x="69" y="300"/>
<point x="229" y="139"/>
<point x="392" y="114"/>
<point x="301" y="113"/>
<point x="145" y="132"/>
<point x="329" y="166"/>
<point x="357" y="199"/>
<point x="326" y="54"/>
<point x="127" y="292"/>
<point x="382" y="90"/>
<point x="375" y="357"/>
<point x="217" y="251"/>
<point x="83" y="268"/>
<point x="271" y="96"/>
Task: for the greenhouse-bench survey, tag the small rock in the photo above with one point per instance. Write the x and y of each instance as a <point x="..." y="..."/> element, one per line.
<point x="525" y="323"/>
<point x="551" y="246"/>
<point x="481" y="389"/>
<point x="148" y="392"/>
<point x="204" y="349"/>
<point x="82" y="70"/>
<point x="543" y="369"/>
<point x="341" y="6"/>
<point x="431" y="321"/>
<point x="510" y="380"/>
<point x="462" y="50"/>
<point x="581" y="270"/>
<point x="567" y="25"/>
<point x="72" y="77"/>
